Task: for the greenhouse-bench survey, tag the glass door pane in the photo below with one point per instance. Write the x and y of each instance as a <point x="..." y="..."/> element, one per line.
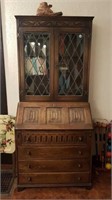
<point x="70" y="64"/>
<point x="37" y="64"/>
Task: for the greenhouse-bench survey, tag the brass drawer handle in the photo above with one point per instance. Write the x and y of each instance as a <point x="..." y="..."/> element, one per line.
<point x="79" y="178"/>
<point x="79" y="165"/>
<point x="80" y="152"/>
<point x="80" y="138"/>
<point x="29" y="179"/>
<point x="29" y="153"/>
<point x="29" y="166"/>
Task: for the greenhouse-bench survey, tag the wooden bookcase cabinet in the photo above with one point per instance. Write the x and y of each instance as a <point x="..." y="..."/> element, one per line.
<point x="54" y="54"/>
<point x="53" y="123"/>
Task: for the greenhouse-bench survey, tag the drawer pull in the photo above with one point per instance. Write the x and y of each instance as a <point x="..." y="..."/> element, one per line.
<point x="80" y="139"/>
<point x="29" y="153"/>
<point x="79" y="178"/>
<point x="29" y="166"/>
<point x="79" y="165"/>
<point x="29" y="179"/>
<point x="80" y="152"/>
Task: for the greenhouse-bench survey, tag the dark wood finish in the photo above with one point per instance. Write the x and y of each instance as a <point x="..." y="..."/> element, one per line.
<point x="53" y="129"/>
<point x="53" y="115"/>
<point x="49" y="179"/>
<point x="54" y="26"/>
<point x="53" y="143"/>
<point x="66" y="152"/>
<point x="101" y="190"/>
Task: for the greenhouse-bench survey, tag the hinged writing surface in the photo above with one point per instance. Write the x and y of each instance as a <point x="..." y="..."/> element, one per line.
<point x="53" y="116"/>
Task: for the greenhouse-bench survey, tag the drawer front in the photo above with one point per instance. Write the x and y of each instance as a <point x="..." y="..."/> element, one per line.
<point x="54" y="166"/>
<point x="53" y="137"/>
<point x="54" y="178"/>
<point x="64" y="152"/>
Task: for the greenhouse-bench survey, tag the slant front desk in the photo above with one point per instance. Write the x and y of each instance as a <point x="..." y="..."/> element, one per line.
<point x="53" y="144"/>
<point x="53" y="122"/>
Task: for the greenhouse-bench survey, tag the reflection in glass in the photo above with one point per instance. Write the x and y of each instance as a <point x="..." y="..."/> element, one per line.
<point x="70" y="61"/>
<point x="36" y="49"/>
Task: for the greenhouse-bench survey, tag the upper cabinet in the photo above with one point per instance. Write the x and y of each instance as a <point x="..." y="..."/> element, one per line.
<point x="53" y="57"/>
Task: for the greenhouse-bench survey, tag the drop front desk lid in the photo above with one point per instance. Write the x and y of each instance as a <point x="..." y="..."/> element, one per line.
<point x="53" y="116"/>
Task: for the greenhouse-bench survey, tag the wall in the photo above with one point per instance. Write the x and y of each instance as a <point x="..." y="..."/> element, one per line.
<point x="100" y="95"/>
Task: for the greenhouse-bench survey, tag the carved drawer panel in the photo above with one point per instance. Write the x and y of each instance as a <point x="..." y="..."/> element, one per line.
<point x="53" y="116"/>
<point x="53" y="137"/>
<point x="57" y="152"/>
<point x="54" y="178"/>
<point x="54" y="165"/>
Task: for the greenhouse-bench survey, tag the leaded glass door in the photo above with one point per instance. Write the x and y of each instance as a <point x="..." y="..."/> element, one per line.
<point x="71" y="47"/>
<point x="37" y="65"/>
<point x="53" y="63"/>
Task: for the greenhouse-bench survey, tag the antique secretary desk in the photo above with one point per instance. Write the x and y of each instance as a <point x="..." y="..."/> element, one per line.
<point x="53" y="123"/>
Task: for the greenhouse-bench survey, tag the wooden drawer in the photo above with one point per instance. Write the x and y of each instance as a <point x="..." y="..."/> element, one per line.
<point x="54" y="166"/>
<point x="54" y="178"/>
<point x="53" y="137"/>
<point x="56" y="152"/>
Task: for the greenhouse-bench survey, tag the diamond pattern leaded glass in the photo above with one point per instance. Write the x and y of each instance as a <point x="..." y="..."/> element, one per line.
<point x="36" y="50"/>
<point x="71" y="50"/>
